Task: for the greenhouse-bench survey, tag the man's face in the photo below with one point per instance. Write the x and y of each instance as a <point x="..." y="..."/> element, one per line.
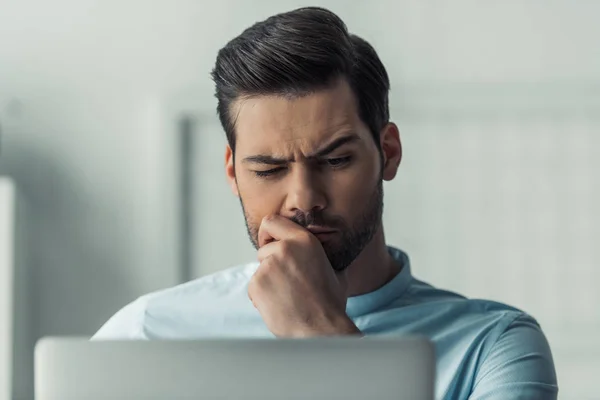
<point x="312" y="160"/>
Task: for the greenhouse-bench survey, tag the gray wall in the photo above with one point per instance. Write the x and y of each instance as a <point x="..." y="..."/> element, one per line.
<point x="89" y="91"/>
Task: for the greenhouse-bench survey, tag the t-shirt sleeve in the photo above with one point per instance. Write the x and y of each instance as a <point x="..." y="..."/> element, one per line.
<point x="127" y="323"/>
<point x="519" y="366"/>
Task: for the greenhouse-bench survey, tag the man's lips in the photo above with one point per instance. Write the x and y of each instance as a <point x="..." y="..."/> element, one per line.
<point x="322" y="234"/>
<point x="316" y="230"/>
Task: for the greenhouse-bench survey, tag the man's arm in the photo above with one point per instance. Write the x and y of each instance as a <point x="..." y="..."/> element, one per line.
<point x="519" y="366"/>
<point x="127" y="323"/>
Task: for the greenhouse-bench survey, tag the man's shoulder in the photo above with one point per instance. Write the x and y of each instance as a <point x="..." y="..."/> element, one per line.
<point x="219" y="283"/>
<point x="502" y="349"/>
<point x="178" y="303"/>
<point x="423" y="293"/>
<point x="457" y="313"/>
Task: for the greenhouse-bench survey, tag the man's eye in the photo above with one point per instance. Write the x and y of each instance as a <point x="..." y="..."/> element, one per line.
<point x="338" y="162"/>
<point x="268" y="173"/>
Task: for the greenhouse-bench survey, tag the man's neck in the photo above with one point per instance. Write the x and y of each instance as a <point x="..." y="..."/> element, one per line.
<point x="373" y="268"/>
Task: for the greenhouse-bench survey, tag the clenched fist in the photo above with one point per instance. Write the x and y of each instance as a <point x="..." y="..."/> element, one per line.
<point x="295" y="289"/>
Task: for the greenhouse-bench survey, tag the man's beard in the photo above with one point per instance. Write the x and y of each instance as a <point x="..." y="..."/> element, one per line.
<point x="353" y="239"/>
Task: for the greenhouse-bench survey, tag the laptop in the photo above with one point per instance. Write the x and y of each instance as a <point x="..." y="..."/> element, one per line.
<point x="231" y="369"/>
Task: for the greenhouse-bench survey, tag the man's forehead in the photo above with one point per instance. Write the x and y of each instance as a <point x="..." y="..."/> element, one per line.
<point x="276" y="123"/>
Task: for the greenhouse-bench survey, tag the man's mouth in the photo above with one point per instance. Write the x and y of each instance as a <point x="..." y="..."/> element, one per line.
<point x="318" y="229"/>
<point x="322" y="233"/>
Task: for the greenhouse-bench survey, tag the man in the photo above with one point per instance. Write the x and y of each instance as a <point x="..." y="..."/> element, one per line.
<point x="304" y="105"/>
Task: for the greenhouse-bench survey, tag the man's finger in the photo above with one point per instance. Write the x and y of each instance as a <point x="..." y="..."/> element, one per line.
<point x="267" y="250"/>
<point x="276" y="227"/>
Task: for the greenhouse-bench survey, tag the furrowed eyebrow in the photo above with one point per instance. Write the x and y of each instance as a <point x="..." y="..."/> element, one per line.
<point x="334" y="145"/>
<point x="270" y="160"/>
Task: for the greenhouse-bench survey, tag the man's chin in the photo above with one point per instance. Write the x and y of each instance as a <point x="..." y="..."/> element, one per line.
<point x="336" y="258"/>
<point x="331" y="247"/>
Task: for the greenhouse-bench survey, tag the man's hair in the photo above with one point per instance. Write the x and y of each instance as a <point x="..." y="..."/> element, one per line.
<point x="297" y="53"/>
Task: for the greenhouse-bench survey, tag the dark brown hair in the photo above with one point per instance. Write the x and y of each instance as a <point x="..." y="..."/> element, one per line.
<point x="297" y="53"/>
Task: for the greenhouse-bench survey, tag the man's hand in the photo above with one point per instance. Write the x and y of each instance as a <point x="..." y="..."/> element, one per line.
<point x="295" y="289"/>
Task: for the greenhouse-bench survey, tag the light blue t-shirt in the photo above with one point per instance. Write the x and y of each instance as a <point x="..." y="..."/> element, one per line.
<point x="485" y="350"/>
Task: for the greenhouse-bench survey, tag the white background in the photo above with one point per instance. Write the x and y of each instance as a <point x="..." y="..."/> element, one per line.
<point x="6" y="290"/>
<point x="499" y="204"/>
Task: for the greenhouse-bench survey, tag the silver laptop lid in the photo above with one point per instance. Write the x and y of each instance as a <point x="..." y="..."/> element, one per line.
<point x="324" y="368"/>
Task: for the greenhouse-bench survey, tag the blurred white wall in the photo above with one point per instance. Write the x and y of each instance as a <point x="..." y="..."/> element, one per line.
<point x="17" y="333"/>
<point x="6" y="286"/>
<point x="88" y="90"/>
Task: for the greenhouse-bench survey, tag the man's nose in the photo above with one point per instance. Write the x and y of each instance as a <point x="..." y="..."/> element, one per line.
<point x="305" y="192"/>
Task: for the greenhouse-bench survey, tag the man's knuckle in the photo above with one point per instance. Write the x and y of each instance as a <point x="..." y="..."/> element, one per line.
<point x="306" y="238"/>
<point x="285" y="247"/>
<point x="266" y="267"/>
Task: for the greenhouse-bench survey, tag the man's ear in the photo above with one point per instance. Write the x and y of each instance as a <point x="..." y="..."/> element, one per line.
<point x="230" y="170"/>
<point x="391" y="148"/>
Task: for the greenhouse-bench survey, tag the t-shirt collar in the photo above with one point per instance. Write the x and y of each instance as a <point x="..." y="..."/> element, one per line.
<point x="369" y="302"/>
